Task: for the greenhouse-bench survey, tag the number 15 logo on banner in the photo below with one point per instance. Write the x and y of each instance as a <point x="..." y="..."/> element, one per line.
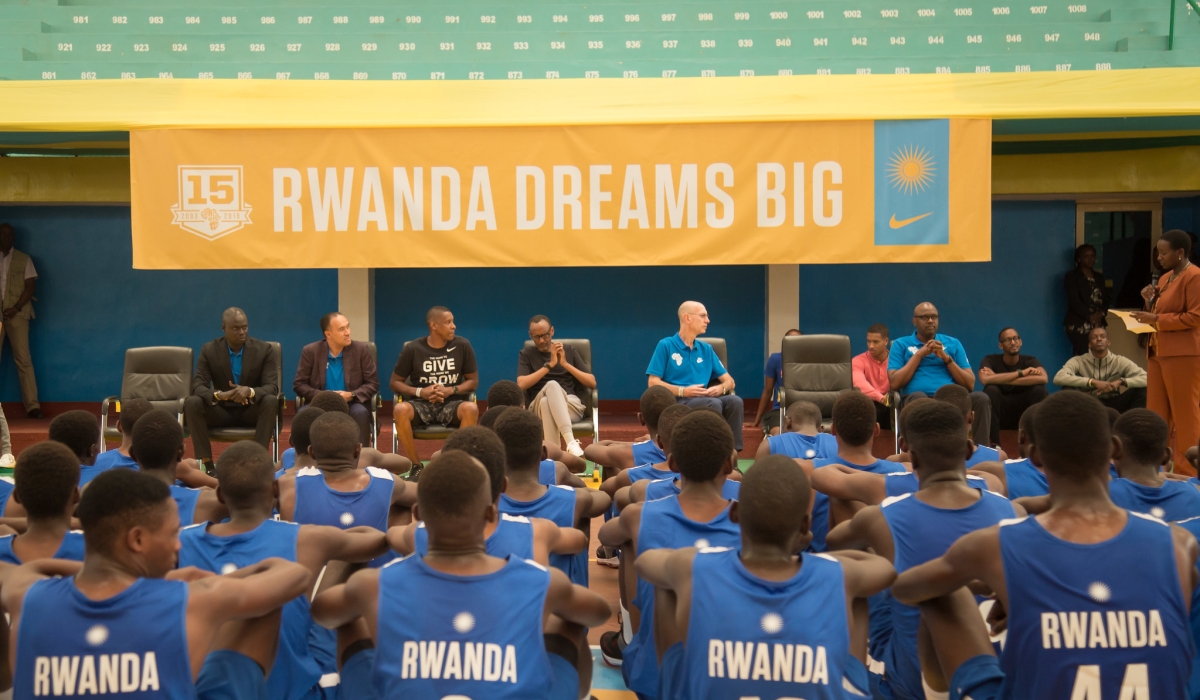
<point x="210" y="200"/>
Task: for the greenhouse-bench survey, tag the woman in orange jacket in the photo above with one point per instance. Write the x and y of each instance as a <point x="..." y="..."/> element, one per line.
<point x="1173" y="308"/>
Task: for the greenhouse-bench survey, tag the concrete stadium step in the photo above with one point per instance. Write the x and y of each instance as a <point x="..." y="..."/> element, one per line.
<point x="1142" y="43"/>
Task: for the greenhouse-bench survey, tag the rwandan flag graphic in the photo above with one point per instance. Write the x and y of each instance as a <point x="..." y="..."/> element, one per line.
<point x="912" y="182"/>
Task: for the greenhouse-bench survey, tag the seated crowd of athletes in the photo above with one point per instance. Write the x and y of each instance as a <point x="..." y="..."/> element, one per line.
<point x="821" y="572"/>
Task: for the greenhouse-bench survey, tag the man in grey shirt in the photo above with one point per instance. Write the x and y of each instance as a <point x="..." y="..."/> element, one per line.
<point x="553" y="377"/>
<point x="1117" y="381"/>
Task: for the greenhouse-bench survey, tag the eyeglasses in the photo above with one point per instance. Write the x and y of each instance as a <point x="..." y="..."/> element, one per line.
<point x="927" y="317"/>
<point x="540" y="336"/>
<point x="1013" y="339"/>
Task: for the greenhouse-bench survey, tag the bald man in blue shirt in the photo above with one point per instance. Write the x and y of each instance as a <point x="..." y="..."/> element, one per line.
<point x="685" y="365"/>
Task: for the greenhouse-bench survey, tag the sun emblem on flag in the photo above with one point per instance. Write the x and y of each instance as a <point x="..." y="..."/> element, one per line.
<point x="911" y="169"/>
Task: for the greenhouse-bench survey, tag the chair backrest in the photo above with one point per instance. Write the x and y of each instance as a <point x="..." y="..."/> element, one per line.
<point x="162" y="375"/>
<point x="722" y="352"/>
<point x="583" y="346"/>
<point x="816" y="368"/>
<point x="277" y="353"/>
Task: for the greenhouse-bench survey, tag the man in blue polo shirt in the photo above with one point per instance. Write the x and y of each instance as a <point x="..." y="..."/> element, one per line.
<point x="685" y="365"/>
<point x="921" y="363"/>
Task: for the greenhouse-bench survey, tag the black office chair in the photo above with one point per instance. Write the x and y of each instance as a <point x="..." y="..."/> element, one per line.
<point x="436" y="431"/>
<point x="375" y="402"/>
<point x="816" y="368"/>
<point x="238" y="433"/>
<point x="161" y="374"/>
<point x="589" y="425"/>
<point x="722" y="352"/>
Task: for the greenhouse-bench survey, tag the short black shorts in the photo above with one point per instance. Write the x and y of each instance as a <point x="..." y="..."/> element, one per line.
<point x="770" y="420"/>
<point x="429" y="413"/>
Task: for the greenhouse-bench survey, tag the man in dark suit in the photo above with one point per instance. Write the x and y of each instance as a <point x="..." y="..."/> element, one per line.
<point x="342" y="365"/>
<point x="236" y="384"/>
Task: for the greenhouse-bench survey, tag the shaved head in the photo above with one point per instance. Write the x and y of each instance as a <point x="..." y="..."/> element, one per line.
<point x="690" y="307"/>
<point x="924" y="308"/>
<point x="231" y="314"/>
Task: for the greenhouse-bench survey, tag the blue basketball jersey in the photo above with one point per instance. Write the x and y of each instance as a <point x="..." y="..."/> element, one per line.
<point x="87" y="472"/>
<point x="647" y="452"/>
<point x="647" y="471"/>
<point x="71" y="548"/>
<point x="1024" y="479"/>
<point x="548" y="473"/>
<point x="820" y="511"/>
<point x="133" y="644"/>
<point x="6" y="488"/>
<point x="750" y="637"/>
<point x="1174" y="500"/>
<point x="295" y="673"/>
<point x="1098" y="620"/>
<point x="664" y="526"/>
<point x="317" y="504"/>
<point x="1192" y="525"/>
<point x="513" y="535"/>
<point x="441" y="635"/>
<point x="921" y="532"/>
<point x="558" y="506"/>
<point x="900" y="483"/>
<point x="661" y="488"/>
<point x="983" y="454"/>
<point x="110" y="459"/>
<point x="185" y="499"/>
<point x="797" y="446"/>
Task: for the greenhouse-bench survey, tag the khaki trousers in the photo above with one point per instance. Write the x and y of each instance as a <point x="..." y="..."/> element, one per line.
<point x="558" y="410"/>
<point x="17" y="331"/>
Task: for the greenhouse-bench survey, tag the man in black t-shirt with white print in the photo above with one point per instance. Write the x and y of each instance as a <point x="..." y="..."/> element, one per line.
<point x="1013" y="382"/>
<point x="435" y="376"/>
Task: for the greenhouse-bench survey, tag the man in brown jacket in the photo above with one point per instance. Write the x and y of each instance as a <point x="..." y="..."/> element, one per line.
<point x="339" y="364"/>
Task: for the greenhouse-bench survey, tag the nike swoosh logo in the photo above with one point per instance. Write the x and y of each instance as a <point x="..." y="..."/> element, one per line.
<point x="901" y="224"/>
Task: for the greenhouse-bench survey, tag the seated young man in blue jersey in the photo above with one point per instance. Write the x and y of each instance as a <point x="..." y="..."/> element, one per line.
<point x="47" y="476"/>
<point x="458" y="621"/>
<point x="913" y="528"/>
<point x="854" y="429"/>
<point x="653" y="489"/>
<point x="1140" y="454"/>
<point x="247" y="488"/>
<point x="369" y="456"/>
<point x="78" y="430"/>
<point x="649" y="472"/>
<point x="131" y="411"/>
<point x="702" y="452"/>
<point x="1083" y="571"/>
<point x="960" y="398"/>
<point x="528" y="538"/>
<point x="801" y="437"/>
<point x="758" y="619"/>
<point x="524" y="494"/>
<point x="158" y="449"/>
<point x="508" y="393"/>
<point x="615" y="456"/>
<point x="194" y="635"/>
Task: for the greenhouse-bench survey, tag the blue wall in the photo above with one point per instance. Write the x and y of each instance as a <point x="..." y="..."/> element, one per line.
<point x="1032" y="245"/>
<point x="91" y="304"/>
<point x="623" y="310"/>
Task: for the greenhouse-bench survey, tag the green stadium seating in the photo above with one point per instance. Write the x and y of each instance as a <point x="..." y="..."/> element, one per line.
<point x="485" y="39"/>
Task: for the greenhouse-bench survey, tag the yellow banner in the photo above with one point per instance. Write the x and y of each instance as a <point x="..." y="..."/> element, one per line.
<point x="683" y="194"/>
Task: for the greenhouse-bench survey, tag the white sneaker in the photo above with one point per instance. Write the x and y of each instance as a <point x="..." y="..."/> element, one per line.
<point x="7" y="462"/>
<point x="575" y="448"/>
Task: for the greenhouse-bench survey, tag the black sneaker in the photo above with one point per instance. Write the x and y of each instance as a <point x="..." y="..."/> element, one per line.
<point x="414" y="474"/>
<point x="607" y="556"/>
<point x="612" y="648"/>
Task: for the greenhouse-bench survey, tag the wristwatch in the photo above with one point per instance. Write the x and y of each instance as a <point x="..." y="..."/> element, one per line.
<point x="679" y="392"/>
<point x="546" y="366"/>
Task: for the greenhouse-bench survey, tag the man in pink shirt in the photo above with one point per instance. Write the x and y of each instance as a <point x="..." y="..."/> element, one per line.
<point x="870" y="373"/>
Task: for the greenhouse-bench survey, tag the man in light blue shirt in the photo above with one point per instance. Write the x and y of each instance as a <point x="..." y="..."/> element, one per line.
<point x="921" y="363"/>
<point x="685" y="365"/>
